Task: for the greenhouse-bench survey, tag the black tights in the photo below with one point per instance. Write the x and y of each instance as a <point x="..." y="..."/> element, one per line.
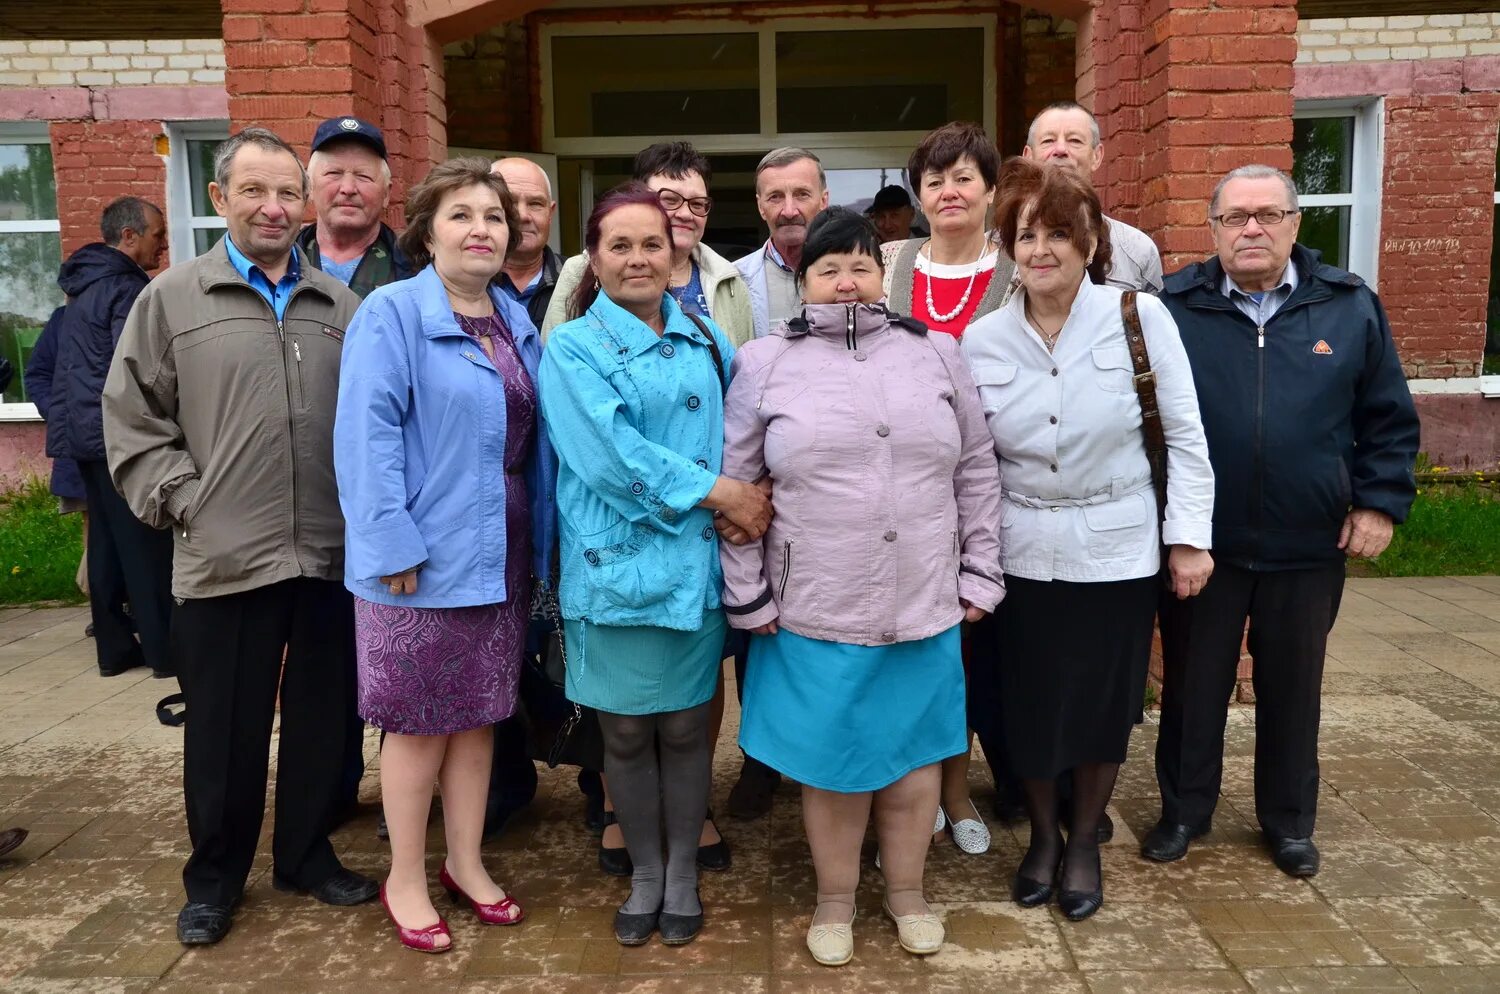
<point x="658" y="771"/>
<point x="1093" y="783"/>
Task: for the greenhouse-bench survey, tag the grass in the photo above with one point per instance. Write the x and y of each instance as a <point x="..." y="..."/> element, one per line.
<point x="1453" y="530"/>
<point x="39" y="548"/>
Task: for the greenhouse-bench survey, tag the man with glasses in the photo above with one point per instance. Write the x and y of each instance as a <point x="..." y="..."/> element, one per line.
<point x="1313" y="439"/>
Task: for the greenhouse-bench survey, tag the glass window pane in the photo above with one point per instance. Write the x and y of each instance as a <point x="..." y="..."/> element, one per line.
<point x="878" y="80"/>
<point x="27" y="192"/>
<point x="200" y="155"/>
<point x="28" y="293"/>
<point x="651" y="85"/>
<point x="1327" y="230"/>
<point x="206" y="238"/>
<point x="1492" y="336"/>
<point x="1323" y="154"/>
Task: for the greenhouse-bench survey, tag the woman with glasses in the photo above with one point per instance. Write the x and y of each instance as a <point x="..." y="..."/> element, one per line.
<point x="704" y="283"/>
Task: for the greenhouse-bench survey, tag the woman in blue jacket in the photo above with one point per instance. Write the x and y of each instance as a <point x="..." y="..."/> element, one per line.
<point x="446" y="484"/>
<point x="633" y="395"/>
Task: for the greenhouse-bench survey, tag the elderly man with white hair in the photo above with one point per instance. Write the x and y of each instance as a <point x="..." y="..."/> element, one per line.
<point x="531" y="267"/>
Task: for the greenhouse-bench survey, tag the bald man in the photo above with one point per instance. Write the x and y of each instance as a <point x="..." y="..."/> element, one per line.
<point x="531" y="267"/>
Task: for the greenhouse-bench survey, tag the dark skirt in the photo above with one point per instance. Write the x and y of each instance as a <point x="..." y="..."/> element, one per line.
<point x="1073" y="661"/>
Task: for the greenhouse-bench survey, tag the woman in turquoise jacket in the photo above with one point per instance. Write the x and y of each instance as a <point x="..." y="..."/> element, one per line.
<point x="633" y="396"/>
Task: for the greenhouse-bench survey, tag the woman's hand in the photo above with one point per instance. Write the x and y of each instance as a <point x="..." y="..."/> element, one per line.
<point x="769" y="628"/>
<point x="745" y="505"/>
<point x="1190" y="569"/>
<point x="401" y="583"/>
<point x="972" y="614"/>
<point x="733" y="533"/>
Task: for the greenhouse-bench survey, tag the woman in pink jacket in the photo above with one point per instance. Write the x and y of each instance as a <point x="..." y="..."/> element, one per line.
<point x="885" y="535"/>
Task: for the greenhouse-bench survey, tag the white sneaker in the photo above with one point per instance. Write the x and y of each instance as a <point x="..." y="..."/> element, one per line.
<point x="971" y="835"/>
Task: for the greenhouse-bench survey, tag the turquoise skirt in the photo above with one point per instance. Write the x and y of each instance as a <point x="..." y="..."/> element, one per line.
<point x="852" y="718"/>
<point x="642" y="669"/>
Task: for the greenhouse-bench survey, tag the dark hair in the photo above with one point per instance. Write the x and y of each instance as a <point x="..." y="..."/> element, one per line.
<point x="946" y="145"/>
<point x="674" y="159"/>
<point x="264" y="139"/>
<point x="1057" y="198"/>
<point x="838" y="229"/>
<point x="122" y="213"/>
<point x="423" y="199"/>
<point x="625" y="195"/>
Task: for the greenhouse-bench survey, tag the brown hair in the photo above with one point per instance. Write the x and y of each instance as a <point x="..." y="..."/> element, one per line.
<point x="1057" y="198"/>
<point x="946" y="145"/>
<point x="423" y="200"/>
<point x="632" y="193"/>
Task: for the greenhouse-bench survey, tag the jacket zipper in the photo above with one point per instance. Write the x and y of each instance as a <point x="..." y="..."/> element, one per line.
<point x="1257" y="478"/>
<point x="851" y="338"/>
<point x="786" y="568"/>
<point x="301" y="387"/>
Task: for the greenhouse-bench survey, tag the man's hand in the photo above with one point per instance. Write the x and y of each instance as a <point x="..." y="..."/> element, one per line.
<point x="972" y="614"/>
<point x="769" y="628"/>
<point x="1189" y="570"/>
<point x="401" y="583"/>
<point x="1366" y="533"/>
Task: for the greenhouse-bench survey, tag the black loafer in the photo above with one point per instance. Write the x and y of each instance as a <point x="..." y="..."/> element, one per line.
<point x="1167" y="842"/>
<point x="203" y="924"/>
<point x="343" y="889"/>
<point x="715" y="858"/>
<point x="1295" y="857"/>
<point x="635" y="930"/>
<point x="1030" y="893"/>
<point x="679" y="930"/>
<point x="753" y="792"/>
<point x="1080" y="904"/>
<point x="615" y="862"/>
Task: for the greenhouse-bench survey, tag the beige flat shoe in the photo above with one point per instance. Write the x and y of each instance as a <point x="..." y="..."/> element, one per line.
<point x="832" y="944"/>
<point x="920" y="935"/>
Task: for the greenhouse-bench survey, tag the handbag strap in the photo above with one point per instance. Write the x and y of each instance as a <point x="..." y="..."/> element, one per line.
<point x="713" y="348"/>
<point x="1145" y="388"/>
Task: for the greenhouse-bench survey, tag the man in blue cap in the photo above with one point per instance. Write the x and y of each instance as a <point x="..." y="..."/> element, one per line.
<point x="351" y="187"/>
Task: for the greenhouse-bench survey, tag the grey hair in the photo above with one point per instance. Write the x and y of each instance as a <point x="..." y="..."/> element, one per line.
<point x="785" y="156"/>
<point x="1254" y="171"/>
<point x="317" y="157"/>
<point x="122" y="213"/>
<point x="1064" y="105"/>
<point x="261" y="138"/>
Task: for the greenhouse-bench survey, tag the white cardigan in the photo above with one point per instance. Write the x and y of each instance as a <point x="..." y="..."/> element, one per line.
<point x="1067" y="427"/>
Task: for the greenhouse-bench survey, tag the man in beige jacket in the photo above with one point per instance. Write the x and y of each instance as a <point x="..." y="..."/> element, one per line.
<point x="218" y="424"/>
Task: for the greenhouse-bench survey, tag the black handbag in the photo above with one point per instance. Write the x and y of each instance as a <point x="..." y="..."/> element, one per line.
<point x="559" y="731"/>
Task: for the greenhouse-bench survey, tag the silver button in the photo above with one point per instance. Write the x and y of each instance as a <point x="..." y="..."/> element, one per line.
<point x="882" y="430"/>
<point x="1056" y="509"/>
<point x="859" y="357"/>
<point x="890" y="536"/>
<point x="887" y="636"/>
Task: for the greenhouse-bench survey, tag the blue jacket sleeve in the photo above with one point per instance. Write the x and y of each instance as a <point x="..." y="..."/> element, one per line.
<point x="588" y="424"/>
<point x="369" y="452"/>
<point x="40" y="366"/>
<point x="1386" y="429"/>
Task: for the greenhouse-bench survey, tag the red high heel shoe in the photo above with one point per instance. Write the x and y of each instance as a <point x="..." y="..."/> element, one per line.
<point x="506" y="912"/>
<point x="423" y="940"/>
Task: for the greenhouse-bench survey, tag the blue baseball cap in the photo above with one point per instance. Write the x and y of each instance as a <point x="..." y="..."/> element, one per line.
<point x="349" y="128"/>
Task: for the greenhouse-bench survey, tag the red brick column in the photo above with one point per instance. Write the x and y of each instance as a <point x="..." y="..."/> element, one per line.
<point x="292" y="63"/>
<point x="1186" y="90"/>
<point x="95" y="162"/>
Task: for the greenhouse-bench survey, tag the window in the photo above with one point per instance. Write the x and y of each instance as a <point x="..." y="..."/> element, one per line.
<point x="194" y="227"/>
<point x="30" y="253"/>
<point x="1336" y="151"/>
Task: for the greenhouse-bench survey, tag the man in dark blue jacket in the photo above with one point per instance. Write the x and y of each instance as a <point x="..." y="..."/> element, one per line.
<point x="102" y="280"/>
<point x="1313" y="438"/>
<point x="67" y="483"/>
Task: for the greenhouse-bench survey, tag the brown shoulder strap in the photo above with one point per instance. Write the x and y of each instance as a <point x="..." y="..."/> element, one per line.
<point x="713" y="348"/>
<point x="1145" y="388"/>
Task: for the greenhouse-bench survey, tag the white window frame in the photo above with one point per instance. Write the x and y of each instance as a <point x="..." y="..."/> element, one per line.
<point x="182" y="224"/>
<point x="1363" y="198"/>
<point x="27" y="134"/>
<point x="766" y="138"/>
<point x="1489" y="384"/>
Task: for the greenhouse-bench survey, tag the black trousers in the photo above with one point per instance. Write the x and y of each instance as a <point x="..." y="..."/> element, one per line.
<point x="128" y="562"/>
<point x="229" y="656"/>
<point x="1290" y="613"/>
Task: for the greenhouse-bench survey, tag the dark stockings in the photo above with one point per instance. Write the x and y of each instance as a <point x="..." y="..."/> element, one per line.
<point x="1046" y="848"/>
<point x="1093" y="783"/>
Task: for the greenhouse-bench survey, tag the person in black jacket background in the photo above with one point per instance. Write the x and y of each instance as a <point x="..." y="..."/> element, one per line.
<point x="67" y="482"/>
<point x="1313" y="438"/>
<point x="102" y="280"/>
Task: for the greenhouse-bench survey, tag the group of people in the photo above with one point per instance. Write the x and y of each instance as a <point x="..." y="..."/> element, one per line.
<point x="920" y="490"/>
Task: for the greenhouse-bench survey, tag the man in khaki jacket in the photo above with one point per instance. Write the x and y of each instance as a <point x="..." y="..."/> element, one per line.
<point x="218" y="424"/>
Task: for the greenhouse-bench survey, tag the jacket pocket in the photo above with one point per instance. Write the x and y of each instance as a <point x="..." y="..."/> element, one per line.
<point x="621" y="568"/>
<point x="1113" y="370"/>
<point x="1116" y="530"/>
<point x="786" y="570"/>
<point x="993" y="380"/>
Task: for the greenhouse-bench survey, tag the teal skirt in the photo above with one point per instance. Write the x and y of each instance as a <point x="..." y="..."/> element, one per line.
<point x="852" y="718"/>
<point x="642" y="669"/>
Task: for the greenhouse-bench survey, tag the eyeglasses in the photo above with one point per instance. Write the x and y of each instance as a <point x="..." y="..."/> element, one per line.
<point x="671" y="200"/>
<point x="1238" y="219"/>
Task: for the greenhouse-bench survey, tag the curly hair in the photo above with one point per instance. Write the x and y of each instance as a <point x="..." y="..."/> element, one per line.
<point x="422" y="203"/>
<point x="1058" y="198"/>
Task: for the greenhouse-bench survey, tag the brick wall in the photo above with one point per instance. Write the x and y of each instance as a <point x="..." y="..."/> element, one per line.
<point x="1048" y="46"/>
<point x="54" y="62"/>
<point x="1415" y="36"/>
<point x="490" y="103"/>
<point x="95" y="162"/>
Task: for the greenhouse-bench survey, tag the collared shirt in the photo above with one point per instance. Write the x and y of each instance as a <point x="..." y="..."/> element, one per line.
<point x="342" y="271"/>
<point x="522" y="296"/>
<point x="278" y="294"/>
<point x="1262" y="305"/>
<point x="781" y="287"/>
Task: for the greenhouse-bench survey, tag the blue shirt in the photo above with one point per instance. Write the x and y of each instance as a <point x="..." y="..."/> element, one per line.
<point x="521" y="296"/>
<point x="1261" y="307"/>
<point x="342" y="271"/>
<point x="277" y="295"/>
<point x="690" y="296"/>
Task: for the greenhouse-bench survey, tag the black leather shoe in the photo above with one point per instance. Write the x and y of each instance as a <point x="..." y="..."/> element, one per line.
<point x="1295" y="857"/>
<point x="1167" y="842"/>
<point x="1009" y="810"/>
<point x="634" y="930"/>
<point x="593" y="813"/>
<point x="616" y="862"/>
<point x="1080" y="904"/>
<point x="752" y="793"/>
<point x="1030" y="893"/>
<point x="715" y="858"/>
<point x="203" y="924"/>
<point x="1106" y="828"/>
<point x="679" y="930"/>
<point x="342" y="889"/>
<point x="11" y="839"/>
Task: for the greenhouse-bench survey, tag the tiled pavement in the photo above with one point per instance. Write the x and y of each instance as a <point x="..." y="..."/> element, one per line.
<point x="1409" y="896"/>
